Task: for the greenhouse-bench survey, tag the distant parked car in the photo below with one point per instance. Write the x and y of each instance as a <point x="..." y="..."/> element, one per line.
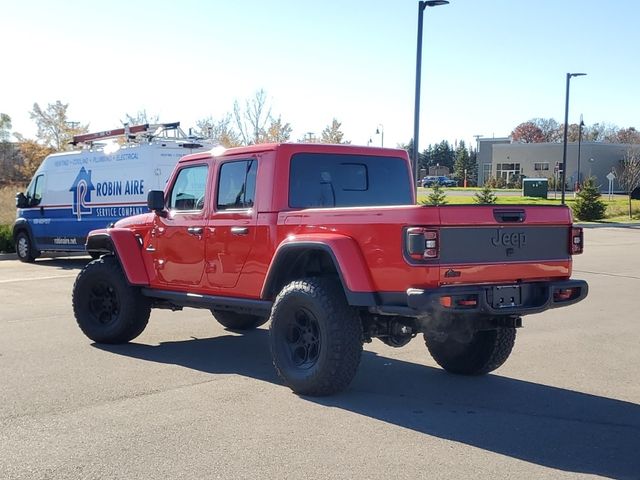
<point x="440" y="179"/>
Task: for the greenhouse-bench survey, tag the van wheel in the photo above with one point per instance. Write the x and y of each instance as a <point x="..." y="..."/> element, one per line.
<point x="25" y="249"/>
<point x="106" y="308"/>
<point x="315" y="337"/>
<point x="484" y="352"/>
<point x="239" y="321"/>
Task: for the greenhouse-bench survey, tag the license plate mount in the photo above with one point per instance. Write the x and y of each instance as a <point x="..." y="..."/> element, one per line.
<point x="506" y="296"/>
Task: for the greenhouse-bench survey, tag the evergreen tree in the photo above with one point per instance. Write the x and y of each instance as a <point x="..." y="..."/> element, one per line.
<point x="464" y="165"/>
<point x="437" y="196"/>
<point x="588" y="205"/>
<point x="485" y="196"/>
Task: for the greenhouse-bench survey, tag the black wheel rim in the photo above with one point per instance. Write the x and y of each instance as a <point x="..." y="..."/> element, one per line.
<point x="302" y="339"/>
<point x="103" y="303"/>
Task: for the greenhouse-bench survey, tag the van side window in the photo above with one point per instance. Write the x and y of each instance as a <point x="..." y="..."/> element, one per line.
<point x="34" y="193"/>
<point x="237" y="184"/>
<point x="188" y="191"/>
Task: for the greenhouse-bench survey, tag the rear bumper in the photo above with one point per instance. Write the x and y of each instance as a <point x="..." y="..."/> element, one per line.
<point x="512" y="300"/>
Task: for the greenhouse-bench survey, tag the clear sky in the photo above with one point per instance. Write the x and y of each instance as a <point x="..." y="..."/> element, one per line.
<point x="487" y="65"/>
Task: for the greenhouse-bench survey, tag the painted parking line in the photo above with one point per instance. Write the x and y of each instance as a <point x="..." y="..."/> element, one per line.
<point x="36" y="278"/>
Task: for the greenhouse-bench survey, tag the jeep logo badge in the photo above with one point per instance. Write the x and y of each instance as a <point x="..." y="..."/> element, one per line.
<point x="508" y="239"/>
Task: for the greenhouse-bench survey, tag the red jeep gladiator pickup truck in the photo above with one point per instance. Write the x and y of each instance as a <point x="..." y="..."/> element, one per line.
<point x="327" y="242"/>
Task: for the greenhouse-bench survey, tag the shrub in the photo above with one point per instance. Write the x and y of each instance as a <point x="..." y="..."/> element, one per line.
<point x="6" y="239"/>
<point x="436" y="197"/>
<point x="485" y="196"/>
<point x="588" y="205"/>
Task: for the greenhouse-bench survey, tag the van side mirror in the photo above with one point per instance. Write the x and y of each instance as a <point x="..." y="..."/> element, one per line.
<point x="155" y="202"/>
<point x="21" y="200"/>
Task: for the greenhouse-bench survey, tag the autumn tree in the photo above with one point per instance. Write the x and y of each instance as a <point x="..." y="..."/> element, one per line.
<point x="55" y="131"/>
<point x="628" y="172"/>
<point x="32" y="153"/>
<point x="527" y="132"/>
<point x="276" y="132"/>
<point x="549" y="127"/>
<point x="333" y="134"/>
<point x="219" y="131"/>
<point x="627" y="135"/>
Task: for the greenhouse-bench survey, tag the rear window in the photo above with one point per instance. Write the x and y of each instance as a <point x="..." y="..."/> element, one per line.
<point x="323" y="180"/>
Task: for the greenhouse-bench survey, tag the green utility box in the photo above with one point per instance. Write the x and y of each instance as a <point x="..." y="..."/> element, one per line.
<point x="535" y="187"/>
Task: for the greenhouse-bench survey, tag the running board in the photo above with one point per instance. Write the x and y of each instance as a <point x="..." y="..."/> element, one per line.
<point x="196" y="300"/>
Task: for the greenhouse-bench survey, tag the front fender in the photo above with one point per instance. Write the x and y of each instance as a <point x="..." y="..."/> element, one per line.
<point x="125" y="246"/>
<point x="347" y="258"/>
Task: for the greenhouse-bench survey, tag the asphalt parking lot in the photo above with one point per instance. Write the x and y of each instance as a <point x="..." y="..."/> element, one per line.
<point x="191" y="400"/>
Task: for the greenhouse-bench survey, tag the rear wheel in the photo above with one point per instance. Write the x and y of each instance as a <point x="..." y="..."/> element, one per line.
<point x="315" y="337"/>
<point x="239" y="321"/>
<point x="106" y="307"/>
<point x="25" y="249"/>
<point x="484" y="352"/>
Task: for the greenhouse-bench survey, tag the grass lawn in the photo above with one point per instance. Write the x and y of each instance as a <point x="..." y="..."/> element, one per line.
<point x="617" y="208"/>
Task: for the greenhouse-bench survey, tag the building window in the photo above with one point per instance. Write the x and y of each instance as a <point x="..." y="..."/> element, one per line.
<point x="486" y="172"/>
<point x="508" y="171"/>
<point x="541" y="166"/>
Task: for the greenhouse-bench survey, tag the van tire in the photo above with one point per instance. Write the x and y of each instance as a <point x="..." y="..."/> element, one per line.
<point x="106" y="307"/>
<point x="239" y="321"/>
<point x="24" y="248"/>
<point x="484" y="352"/>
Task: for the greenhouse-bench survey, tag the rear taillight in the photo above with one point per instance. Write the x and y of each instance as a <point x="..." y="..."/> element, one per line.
<point x="577" y="241"/>
<point x="422" y="243"/>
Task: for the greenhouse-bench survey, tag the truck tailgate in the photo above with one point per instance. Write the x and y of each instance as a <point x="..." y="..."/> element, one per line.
<point x="503" y="243"/>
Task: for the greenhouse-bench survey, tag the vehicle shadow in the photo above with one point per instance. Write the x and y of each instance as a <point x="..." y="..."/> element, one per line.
<point x="545" y="425"/>
<point x="64" y="263"/>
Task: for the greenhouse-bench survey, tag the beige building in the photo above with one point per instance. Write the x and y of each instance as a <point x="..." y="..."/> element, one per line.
<point x="499" y="158"/>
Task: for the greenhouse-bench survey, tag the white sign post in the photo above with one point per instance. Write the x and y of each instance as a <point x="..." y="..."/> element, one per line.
<point x="611" y="177"/>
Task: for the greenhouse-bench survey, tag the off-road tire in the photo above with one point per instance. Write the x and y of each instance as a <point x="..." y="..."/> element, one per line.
<point x="106" y="307"/>
<point x="25" y="249"/>
<point x="483" y="353"/>
<point x="239" y="321"/>
<point x="315" y="337"/>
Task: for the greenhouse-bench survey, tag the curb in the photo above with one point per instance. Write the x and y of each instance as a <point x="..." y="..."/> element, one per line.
<point x="633" y="226"/>
<point x="8" y="256"/>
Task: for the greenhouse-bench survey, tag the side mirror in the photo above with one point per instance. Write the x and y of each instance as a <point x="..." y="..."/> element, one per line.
<point x="21" y="200"/>
<point x="155" y="202"/>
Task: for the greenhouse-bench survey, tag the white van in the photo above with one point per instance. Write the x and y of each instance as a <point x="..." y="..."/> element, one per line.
<point x="75" y="192"/>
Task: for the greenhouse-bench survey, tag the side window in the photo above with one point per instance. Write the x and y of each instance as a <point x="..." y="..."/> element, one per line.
<point x="34" y="192"/>
<point x="188" y="191"/>
<point x="237" y="184"/>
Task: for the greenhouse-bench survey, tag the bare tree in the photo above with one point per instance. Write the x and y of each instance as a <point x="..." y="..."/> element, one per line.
<point x="252" y="121"/>
<point x="140" y="118"/>
<point x="629" y="172"/>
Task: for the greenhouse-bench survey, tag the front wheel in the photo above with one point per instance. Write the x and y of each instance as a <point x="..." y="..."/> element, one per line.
<point x="25" y="249"/>
<point x="484" y="352"/>
<point x="106" y="307"/>
<point x="315" y="337"/>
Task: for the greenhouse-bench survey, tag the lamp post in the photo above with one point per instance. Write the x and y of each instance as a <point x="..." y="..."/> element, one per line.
<point x="416" y="118"/>
<point x="566" y="121"/>
<point x="578" y="183"/>
<point x="380" y="131"/>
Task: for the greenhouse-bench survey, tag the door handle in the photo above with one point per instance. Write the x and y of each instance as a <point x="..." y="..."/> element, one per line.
<point x="239" y="230"/>
<point x="195" y="230"/>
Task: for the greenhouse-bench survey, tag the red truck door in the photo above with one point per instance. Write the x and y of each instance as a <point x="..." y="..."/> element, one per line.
<point x="177" y="241"/>
<point x="231" y="228"/>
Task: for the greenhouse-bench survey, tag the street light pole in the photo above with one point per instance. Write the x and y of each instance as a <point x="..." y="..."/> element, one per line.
<point x="416" y="117"/>
<point x="579" y="185"/>
<point x="566" y="121"/>
<point x="380" y="131"/>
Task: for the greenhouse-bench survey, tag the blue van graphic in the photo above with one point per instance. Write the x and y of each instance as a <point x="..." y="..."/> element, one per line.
<point x="81" y="190"/>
